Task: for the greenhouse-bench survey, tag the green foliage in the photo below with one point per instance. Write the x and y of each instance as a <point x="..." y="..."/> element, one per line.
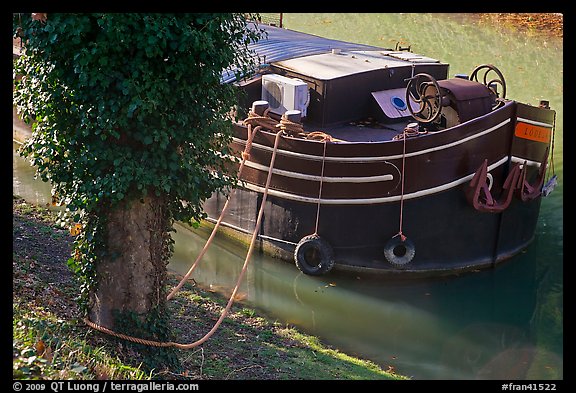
<point x="83" y="261"/>
<point x="123" y="105"/>
<point x="126" y="104"/>
<point x="46" y="347"/>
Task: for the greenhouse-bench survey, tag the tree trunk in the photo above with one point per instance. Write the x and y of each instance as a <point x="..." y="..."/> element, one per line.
<point x="131" y="274"/>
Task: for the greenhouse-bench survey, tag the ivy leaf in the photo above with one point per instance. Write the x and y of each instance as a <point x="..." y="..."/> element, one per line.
<point x="147" y="140"/>
<point x="131" y="109"/>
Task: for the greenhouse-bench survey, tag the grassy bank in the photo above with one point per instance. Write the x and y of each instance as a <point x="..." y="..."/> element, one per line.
<point x="50" y="341"/>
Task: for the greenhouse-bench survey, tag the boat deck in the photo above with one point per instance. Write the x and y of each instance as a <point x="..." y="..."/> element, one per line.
<point x="362" y="131"/>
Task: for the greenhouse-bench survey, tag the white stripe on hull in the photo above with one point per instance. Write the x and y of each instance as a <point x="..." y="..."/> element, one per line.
<point x="325" y="179"/>
<point x="528" y="162"/>
<point x="369" y="201"/>
<point x="248" y="232"/>
<point x="534" y="122"/>
<point x="372" y="179"/>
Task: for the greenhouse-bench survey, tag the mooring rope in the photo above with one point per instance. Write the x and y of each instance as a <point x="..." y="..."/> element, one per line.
<point x="551" y="167"/>
<point x="409" y="132"/>
<point x="320" y="189"/>
<point x="291" y="128"/>
<point x="402" y="236"/>
<point x="253" y="119"/>
<point x="238" y="282"/>
<point x="264" y="121"/>
<point x="245" y="156"/>
<point x="321" y="136"/>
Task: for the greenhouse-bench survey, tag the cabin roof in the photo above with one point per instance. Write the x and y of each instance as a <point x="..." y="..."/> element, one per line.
<point x="328" y="66"/>
<point x="283" y="44"/>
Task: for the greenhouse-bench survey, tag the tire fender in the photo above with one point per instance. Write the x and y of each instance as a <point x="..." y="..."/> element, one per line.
<point x="314" y="255"/>
<point x="399" y="251"/>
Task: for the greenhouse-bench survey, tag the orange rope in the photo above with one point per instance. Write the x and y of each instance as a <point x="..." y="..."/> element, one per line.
<point x="402" y="237"/>
<point x="290" y="128"/>
<point x="321" y="136"/>
<point x="320" y="189"/>
<point x="245" y="156"/>
<point x="236" y="288"/>
<point x="264" y="120"/>
<point x="552" y="148"/>
<point x="408" y="132"/>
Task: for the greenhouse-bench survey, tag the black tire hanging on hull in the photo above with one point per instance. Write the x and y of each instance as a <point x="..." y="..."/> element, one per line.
<point x="399" y="252"/>
<point x="314" y="255"/>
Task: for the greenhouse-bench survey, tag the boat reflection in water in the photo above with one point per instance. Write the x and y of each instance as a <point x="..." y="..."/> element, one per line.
<point x="384" y="163"/>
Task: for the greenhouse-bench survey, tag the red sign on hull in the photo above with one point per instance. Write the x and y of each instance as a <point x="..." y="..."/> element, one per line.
<point x="532" y="132"/>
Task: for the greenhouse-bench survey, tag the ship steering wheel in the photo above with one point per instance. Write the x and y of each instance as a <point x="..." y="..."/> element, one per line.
<point x="423" y="90"/>
<point x="492" y="83"/>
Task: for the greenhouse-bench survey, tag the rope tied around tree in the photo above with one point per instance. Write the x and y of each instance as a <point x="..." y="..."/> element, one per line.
<point x="255" y="123"/>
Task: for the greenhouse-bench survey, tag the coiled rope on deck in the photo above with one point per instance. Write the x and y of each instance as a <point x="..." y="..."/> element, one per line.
<point x="264" y="121"/>
<point x="240" y="277"/>
<point x="321" y="136"/>
<point x="409" y="132"/>
<point x="291" y="128"/>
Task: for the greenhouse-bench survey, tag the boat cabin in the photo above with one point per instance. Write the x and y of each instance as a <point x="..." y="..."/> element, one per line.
<point x="344" y="89"/>
<point x="385" y="163"/>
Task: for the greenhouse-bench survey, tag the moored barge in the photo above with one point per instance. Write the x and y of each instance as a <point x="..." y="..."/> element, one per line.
<point x="384" y="162"/>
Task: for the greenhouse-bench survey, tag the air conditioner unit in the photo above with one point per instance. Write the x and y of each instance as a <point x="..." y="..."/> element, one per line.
<point x="285" y="94"/>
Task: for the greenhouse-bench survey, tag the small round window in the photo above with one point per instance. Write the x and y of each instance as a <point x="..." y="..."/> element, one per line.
<point x="398" y="103"/>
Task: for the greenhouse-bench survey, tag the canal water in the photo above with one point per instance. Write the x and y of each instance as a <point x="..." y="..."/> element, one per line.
<point x="503" y="323"/>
